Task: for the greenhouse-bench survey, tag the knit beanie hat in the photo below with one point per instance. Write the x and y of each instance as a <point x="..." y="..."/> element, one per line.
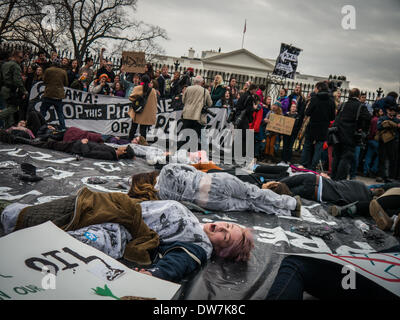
<point x="277" y="103"/>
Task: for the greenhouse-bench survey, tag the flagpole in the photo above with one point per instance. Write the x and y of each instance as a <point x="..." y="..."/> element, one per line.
<point x="244" y="31"/>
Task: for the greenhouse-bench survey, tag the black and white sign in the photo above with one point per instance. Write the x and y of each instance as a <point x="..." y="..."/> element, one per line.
<point x="287" y="61"/>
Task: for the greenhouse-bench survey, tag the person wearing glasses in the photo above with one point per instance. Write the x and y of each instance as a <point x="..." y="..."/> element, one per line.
<point x="13" y="90"/>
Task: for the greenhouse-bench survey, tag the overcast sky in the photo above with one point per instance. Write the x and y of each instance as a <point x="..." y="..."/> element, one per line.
<point x="369" y="55"/>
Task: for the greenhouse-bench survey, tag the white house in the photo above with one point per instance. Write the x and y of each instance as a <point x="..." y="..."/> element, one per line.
<point x="242" y="63"/>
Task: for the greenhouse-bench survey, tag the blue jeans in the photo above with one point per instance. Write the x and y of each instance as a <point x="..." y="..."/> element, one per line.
<point x="58" y="106"/>
<point x="354" y="165"/>
<point x="322" y="279"/>
<point x="259" y="147"/>
<point x="311" y="153"/>
<point x="372" y="152"/>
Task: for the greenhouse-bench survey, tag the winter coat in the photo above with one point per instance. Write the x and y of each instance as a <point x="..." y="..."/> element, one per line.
<point x="72" y="76"/>
<point x="285" y="104"/>
<point x="162" y="81"/>
<point x="149" y="114"/>
<point x="55" y="80"/>
<point x="194" y="99"/>
<point x="91" y="208"/>
<point x="94" y="150"/>
<point x="79" y="85"/>
<point x="258" y="118"/>
<point x="178" y="260"/>
<point x="96" y="88"/>
<point x="245" y="102"/>
<point x="217" y="93"/>
<point x="12" y="80"/>
<point x="74" y="134"/>
<point x="384" y="103"/>
<point x="388" y="129"/>
<point x="321" y="111"/>
<point x="346" y="121"/>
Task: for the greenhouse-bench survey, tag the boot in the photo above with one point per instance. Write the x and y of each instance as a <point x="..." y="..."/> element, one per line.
<point x="347" y="210"/>
<point x="382" y="220"/>
<point x="297" y="211"/>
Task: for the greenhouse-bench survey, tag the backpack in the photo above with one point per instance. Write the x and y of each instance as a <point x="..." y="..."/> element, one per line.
<point x="140" y="102"/>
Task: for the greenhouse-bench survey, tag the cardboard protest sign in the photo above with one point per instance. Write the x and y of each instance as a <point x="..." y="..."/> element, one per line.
<point x="134" y="62"/>
<point x="46" y="263"/>
<point x="382" y="268"/>
<point x="280" y="124"/>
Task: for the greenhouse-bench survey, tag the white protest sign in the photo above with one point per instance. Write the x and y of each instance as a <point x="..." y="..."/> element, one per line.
<point x="382" y="268"/>
<point x="46" y="263"/>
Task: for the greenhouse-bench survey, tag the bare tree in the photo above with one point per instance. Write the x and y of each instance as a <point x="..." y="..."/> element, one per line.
<point x="11" y="13"/>
<point x="84" y="25"/>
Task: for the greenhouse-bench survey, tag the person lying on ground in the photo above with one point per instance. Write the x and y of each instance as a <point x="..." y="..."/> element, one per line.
<point x="21" y="130"/>
<point x="212" y="191"/>
<point x="165" y="236"/>
<point x="323" y="280"/>
<point x="325" y="190"/>
<point x="83" y="147"/>
<point x="158" y="157"/>
<point x="40" y="128"/>
<point x="75" y="134"/>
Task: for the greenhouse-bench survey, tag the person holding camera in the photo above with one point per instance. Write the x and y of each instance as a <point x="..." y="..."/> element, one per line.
<point x="55" y="80"/>
<point x="13" y="90"/>
<point x="186" y="79"/>
<point x="195" y="99"/>
<point x="244" y="110"/>
<point x="352" y="123"/>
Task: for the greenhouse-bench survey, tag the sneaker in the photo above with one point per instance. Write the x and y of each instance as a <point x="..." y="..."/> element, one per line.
<point x="250" y="166"/>
<point x="347" y="210"/>
<point x="297" y="212"/>
<point x="382" y="220"/>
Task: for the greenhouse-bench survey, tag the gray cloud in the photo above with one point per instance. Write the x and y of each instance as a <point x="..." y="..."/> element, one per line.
<point x="369" y="56"/>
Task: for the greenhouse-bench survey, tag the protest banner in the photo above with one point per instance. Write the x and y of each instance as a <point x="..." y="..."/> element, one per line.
<point x="134" y="62"/>
<point x="65" y="268"/>
<point x="280" y="124"/>
<point x="382" y="268"/>
<point x="108" y="115"/>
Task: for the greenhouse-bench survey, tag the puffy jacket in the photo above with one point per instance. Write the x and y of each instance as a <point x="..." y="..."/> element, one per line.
<point x="177" y="259"/>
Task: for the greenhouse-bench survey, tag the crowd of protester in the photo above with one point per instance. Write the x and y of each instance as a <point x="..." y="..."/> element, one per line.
<point x="338" y="140"/>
